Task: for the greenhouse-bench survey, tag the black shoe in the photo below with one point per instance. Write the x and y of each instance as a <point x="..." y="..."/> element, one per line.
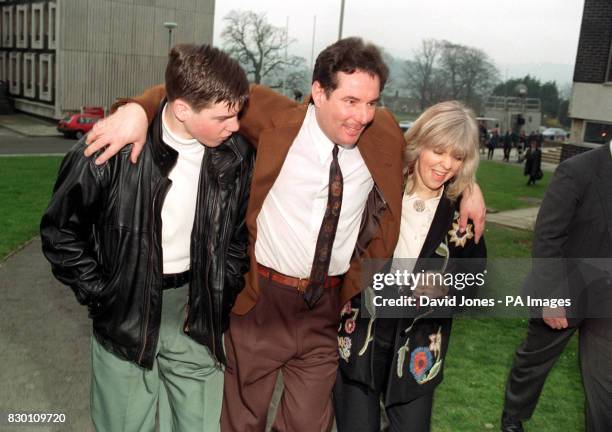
<point x="510" y="425"/>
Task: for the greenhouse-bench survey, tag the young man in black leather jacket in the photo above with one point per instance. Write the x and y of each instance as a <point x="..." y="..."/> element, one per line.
<point x="158" y="251"/>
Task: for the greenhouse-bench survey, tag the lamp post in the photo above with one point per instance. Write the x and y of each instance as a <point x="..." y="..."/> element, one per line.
<point x="341" y="19"/>
<point x="521" y="89"/>
<point x="170" y="26"/>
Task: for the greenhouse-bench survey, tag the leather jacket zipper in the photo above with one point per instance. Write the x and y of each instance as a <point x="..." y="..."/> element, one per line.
<point x="155" y="233"/>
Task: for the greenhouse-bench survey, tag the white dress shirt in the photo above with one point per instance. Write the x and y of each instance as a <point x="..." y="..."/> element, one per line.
<point x="178" y="211"/>
<point x="415" y="226"/>
<point x="291" y="216"/>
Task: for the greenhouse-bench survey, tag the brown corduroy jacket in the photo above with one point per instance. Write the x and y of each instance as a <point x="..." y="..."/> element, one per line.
<point x="271" y="122"/>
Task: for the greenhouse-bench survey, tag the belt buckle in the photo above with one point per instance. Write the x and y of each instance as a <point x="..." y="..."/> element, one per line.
<point x="302" y="285"/>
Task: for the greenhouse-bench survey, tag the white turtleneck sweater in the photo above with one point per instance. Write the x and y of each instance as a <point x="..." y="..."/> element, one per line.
<point x="178" y="211"/>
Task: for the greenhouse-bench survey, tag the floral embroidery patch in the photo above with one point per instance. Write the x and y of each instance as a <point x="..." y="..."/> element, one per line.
<point x="458" y="239"/>
<point x="421" y="361"/>
<point x="349" y="326"/>
<point x="346" y="310"/>
<point x="344" y="347"/>
<point x="435" y="342"/>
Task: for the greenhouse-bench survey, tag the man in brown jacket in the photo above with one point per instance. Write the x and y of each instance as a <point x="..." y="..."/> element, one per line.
<point x="326" y="194"/>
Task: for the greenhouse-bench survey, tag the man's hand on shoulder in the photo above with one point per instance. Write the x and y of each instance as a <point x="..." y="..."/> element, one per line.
<point x="473" y="207"/>
<point x="126" y="126"/>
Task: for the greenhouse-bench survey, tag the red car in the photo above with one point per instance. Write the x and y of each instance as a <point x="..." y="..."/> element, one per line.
<point x="77" y="125"/>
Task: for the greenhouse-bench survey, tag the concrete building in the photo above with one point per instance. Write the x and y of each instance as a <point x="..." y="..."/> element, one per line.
<point x="591" y="100"/>
<point x="60" y="55"/>
<point x="514" y="113"/>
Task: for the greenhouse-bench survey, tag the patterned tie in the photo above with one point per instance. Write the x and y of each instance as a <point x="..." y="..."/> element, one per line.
<point x="327" y="234"/>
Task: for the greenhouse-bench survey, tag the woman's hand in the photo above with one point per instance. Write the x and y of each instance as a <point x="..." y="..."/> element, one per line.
<point x="473" y="207"/>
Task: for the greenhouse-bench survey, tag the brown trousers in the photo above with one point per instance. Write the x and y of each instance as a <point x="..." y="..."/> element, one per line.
<point x="281" y="334"/>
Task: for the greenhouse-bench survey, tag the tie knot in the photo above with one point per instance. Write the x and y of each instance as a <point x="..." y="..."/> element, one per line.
<point x="335" y="151"/>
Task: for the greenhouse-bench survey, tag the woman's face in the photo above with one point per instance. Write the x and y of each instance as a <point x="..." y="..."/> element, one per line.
<point x="435" y="167"/>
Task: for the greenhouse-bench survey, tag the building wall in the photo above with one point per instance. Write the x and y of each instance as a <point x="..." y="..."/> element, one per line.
<point x="27" y="52"/>
<point x="94" y="50"/>
<point x="591" y="99"/>
<point x="594" y="43"/>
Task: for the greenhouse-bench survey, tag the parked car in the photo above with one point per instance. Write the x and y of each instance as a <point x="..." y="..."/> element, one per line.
<point x="77" y="125"/>
<point x="555" y="134"/>
<point x="405" y="125"/>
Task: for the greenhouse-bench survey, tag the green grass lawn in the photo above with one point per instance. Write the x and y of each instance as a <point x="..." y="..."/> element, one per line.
<point x="27" y="183"/>
<point x="505" y="187"/>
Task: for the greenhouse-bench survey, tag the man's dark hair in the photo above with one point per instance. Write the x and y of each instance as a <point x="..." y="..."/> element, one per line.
<point x="202" y="75"/>
<point x="348" y="55"/>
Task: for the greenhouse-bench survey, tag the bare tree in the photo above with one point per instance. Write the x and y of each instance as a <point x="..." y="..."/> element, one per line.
<point x="421" y="72"/>
<point x="450" y="64"/>
<point x="469" y="71"/>
<point x="259" y="46"/>
<point x="442" y="70"/>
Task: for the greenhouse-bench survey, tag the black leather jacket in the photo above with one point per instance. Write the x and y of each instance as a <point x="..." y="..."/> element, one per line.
<point x="102" y="234"/>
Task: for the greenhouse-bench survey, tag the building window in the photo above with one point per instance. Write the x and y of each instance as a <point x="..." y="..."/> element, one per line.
<point x="22" y="27"/>
<point x="46" y="77"/>
<point x="7" y="26"/>
<point x="38" y="25"/>
<point x="15" y="73"/>
<point x="3" y="66"/>
<point x="51" y="35"/>
<point x="29" y="75"/>
<point x="598" y="133"/>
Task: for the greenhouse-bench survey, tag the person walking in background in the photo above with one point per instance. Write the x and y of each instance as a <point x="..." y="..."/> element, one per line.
<point x="507" y="146"/>
<point x="522" y="143"/>
<point x="492" y="144"/>
<point x="482" y="137"/>
<point x="533" y="162"/>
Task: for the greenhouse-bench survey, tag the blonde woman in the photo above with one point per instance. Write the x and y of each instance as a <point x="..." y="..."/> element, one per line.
<point x="400" y="360"/>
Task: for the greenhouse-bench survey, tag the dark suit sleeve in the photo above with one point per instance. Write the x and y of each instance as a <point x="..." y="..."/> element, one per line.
<point x="556" y="213"/>
<point x="549" y="276"/>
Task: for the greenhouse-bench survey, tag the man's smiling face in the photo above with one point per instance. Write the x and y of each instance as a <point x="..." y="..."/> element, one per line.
<point x="347" y="110"/>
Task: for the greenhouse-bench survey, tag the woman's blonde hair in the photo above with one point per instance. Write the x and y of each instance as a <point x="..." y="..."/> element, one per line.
<point x="445" y="125"/>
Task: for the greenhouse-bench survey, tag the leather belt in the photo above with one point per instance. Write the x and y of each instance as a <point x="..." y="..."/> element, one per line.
<point x="297" y="283"/>
<point x="176" y="280"/>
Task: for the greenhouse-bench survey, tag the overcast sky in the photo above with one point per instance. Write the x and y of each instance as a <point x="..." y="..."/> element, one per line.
<point x="514" y="33"/>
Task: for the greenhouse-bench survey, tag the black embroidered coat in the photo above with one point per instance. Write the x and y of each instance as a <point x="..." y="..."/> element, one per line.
<point x="420" y="339"/>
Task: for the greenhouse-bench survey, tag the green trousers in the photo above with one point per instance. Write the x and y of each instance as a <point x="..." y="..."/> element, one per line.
<point x="185" y="382"/>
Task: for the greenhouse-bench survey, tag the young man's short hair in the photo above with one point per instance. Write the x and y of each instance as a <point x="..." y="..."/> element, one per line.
<point x="348" y="55"/>
<point x="202" y="75"/>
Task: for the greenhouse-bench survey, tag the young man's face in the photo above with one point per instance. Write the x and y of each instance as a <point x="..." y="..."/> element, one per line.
<point x="213" y="125"/>
<point x="345" y="113"/>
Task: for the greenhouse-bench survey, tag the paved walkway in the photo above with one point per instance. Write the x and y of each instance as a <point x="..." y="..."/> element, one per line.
<point x="30" y="126"/>
<point x="521" y="218"/>
<point x="45" y="336"/>
<point x="498" y="156"/>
